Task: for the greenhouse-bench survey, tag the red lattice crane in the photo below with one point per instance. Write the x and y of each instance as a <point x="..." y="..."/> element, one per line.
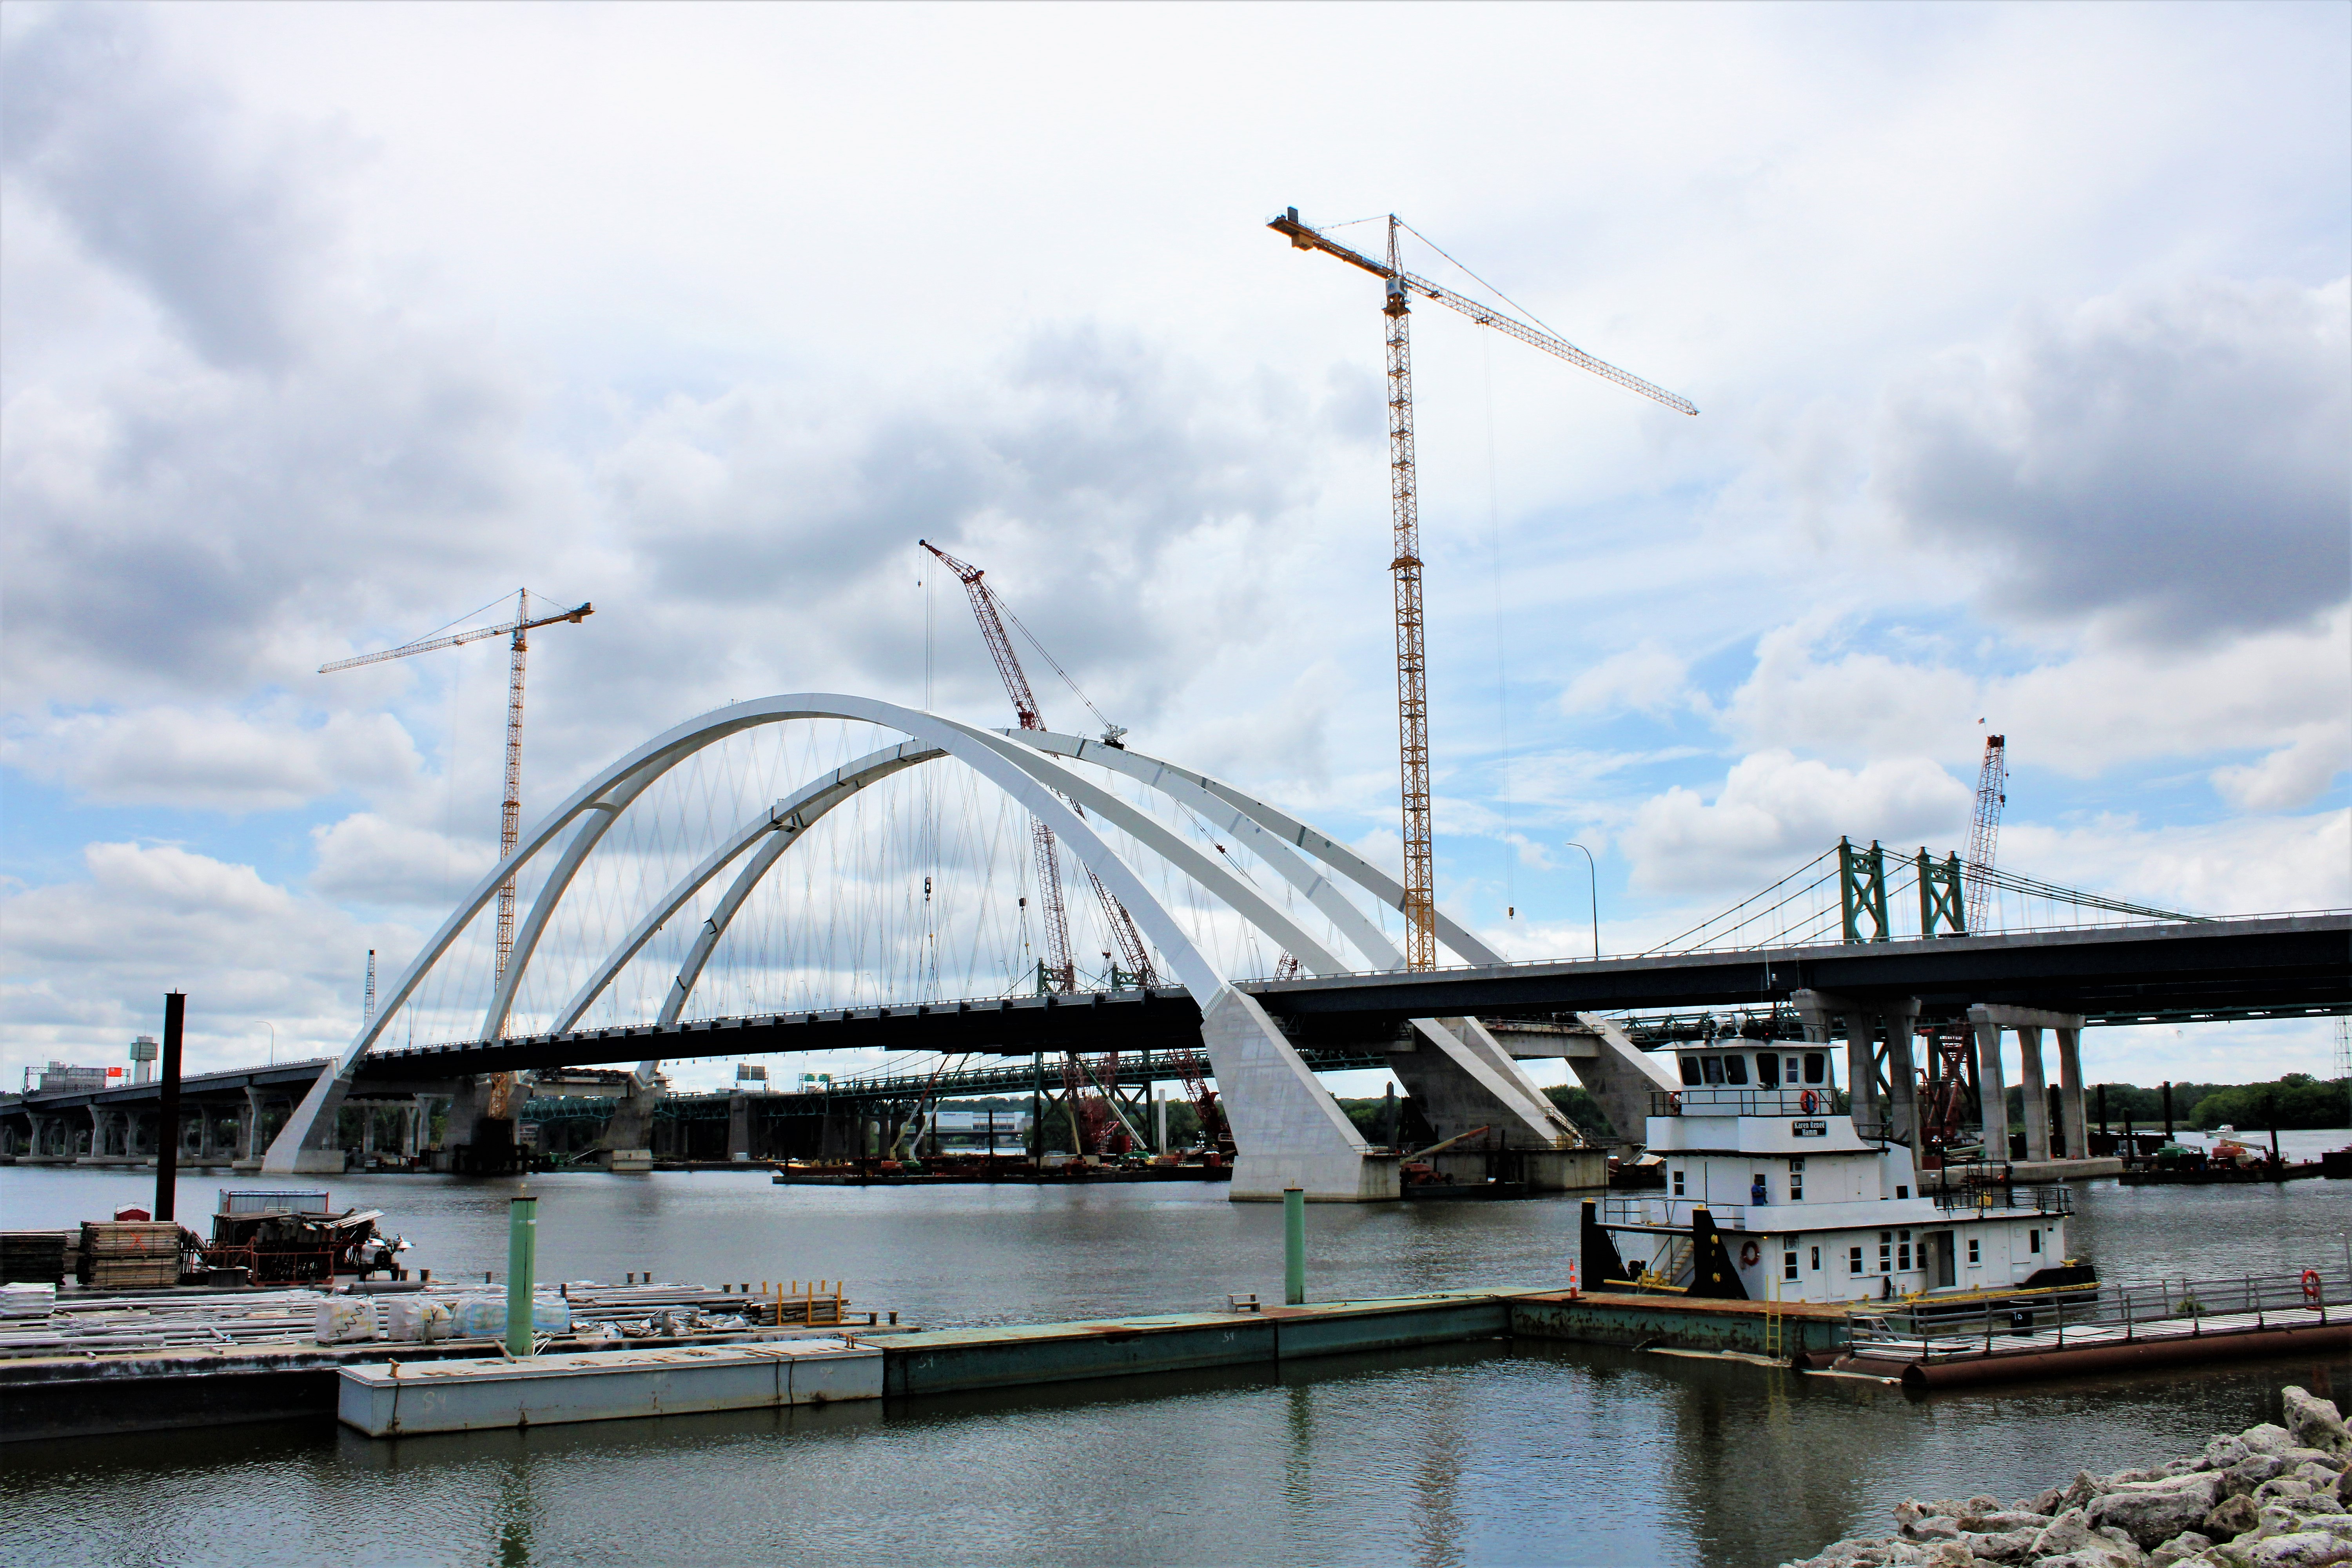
<point x="1984" y="831"/>
<point x="1061" y="964"/>
<point x="1405" y="565"/>
<point x="511" y="810"/>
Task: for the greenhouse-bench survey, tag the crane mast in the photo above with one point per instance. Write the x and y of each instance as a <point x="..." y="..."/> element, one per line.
<point x="511" y="793"/>
<point x="1420" y="904"/>
<point x="1984" y="831"/>
<point x="1060" y="964"/>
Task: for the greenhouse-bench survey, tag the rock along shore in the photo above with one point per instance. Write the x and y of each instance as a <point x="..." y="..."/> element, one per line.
<point x="2270" y="1496"/>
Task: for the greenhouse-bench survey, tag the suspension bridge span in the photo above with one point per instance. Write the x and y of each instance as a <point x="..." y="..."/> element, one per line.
<point x="1122" y="813"/>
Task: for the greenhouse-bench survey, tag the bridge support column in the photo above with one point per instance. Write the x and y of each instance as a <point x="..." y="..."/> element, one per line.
<point x="1287" y="1129"/>
<point x="320" y="1151"/>
<point x="1881" y="1077"/>
<point x="1463" y="1079"/>
<point x="1900" y="1019"/>
<point x="629" y="1130"/>
<point x="1992" y="1094"/>
<point x="1622" y="1077"/>
<point x="2035" y="1092"/>
<point x="1822" y="1014"/>
<point x="1989" y="1019"/>
<point x="2070" y="1093"/>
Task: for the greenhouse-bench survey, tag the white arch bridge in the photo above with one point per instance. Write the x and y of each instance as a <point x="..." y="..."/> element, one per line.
<point x="1289" y="1130"/>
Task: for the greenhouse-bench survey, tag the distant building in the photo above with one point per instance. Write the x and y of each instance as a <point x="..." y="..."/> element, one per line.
<point x="63" y="1077"/>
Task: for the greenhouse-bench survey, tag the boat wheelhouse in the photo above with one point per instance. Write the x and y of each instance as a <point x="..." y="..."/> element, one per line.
<point x="1773" y="1193"/>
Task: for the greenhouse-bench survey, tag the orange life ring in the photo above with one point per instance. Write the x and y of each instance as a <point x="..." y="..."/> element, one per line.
<point x="1748" y="1254"/>
<point x="1807" y="1101"/>
<point x="2311" y="1287"/>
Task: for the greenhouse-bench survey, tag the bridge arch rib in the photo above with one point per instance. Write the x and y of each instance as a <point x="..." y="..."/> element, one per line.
<point x="1292" y="1132"/>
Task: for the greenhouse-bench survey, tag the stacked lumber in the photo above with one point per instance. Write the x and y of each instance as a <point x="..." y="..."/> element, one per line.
<point x="32" y="1256"/>
<point x="129" y="1255"/>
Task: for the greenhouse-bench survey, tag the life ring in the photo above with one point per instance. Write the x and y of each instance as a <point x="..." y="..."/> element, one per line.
<point x="1806" y="1099"/>
<point x="2311" y="1287"/>
<point x="1749" y="1253"/>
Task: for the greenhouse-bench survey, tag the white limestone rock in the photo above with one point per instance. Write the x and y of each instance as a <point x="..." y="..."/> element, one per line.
<point x="2000" y="1545"/>
<point x="2267" y="1438"/>
<point x="2004" y="1519"/>
<point x="2153" y="1512"/>
<point x="2300" y="1549"/>
<point x="2315" y="1423"/>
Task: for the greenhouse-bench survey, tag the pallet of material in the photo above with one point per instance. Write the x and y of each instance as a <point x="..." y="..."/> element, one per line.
<point x="129" y="1255"/>
<point x="32" y="1256"/>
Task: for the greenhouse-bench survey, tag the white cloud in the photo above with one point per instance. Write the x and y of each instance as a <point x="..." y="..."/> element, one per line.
<point x="87" y="961"/>
<point x="369" y="860"/>
<point x="2080" y="713"/>
<point x="2294" y="775"/>
<point x="2258" y="864"/>
<point x="212" y="759"/>
<point x="1648" y="678"/>
<point x="1775" y="811"/>
<point x="2173" y="461"/>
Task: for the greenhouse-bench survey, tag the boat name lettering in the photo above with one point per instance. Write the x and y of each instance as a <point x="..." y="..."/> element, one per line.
<point x="1809" y="1129"/>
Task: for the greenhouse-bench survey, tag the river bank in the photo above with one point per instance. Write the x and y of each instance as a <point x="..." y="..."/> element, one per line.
<point x="2273" y="1496"/>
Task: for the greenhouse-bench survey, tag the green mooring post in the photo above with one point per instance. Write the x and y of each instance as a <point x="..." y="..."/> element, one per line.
<point x="522" y="1259"/>
<point x="1294" y="1247"/>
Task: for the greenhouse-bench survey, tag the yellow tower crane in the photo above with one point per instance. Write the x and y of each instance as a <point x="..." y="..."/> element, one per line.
<point x="510" y="812"/>
<point x="1404" y="566"/>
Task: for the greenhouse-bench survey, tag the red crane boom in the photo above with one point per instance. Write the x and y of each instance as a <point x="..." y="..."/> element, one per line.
<point x="1061" y="964"/>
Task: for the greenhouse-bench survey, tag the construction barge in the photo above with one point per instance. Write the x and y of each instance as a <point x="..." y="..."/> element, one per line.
<point x="671" y="1348"/>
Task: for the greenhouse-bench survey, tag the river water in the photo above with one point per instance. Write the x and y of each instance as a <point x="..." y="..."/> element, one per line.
<point x="1481" y="1454"/>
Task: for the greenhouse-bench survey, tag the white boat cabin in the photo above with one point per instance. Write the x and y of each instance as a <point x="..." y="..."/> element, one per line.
<point x="1772" y="1193"/>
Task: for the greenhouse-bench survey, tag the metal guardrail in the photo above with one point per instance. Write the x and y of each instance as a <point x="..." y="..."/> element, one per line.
<point x="2055" y="1198"/>
<point x="1713" y="1100"/>
<point x="1926" y="1327"/>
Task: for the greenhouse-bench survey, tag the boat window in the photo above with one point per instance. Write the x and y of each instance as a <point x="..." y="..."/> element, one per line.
<point x="1734" y="1069"/>
<point x="1768" y="1069"/>
<point x="1975" y="1255"/>
<point x="1854" y="1261"/>
<point x="2032" y="1241"/>
<point x="1690" y="1070"/>
<point x="1678" y="1184"/>
<point x="1817" y="1261"/>
<point x="1903" y="1251"/>
<point x="1788" y="1264"/>
<point x="1713" y="1068"/>
<point x="1815" y="1063"/>
<point x="1796" y="1181"/>
<point x="1886" y="1251"/>
<point x="1792" y="1068"/>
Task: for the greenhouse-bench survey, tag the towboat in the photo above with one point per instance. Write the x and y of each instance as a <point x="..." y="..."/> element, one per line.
<point x="1771" y="1193"/>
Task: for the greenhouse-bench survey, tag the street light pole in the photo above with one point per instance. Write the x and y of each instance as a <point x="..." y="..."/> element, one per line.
<point x="1592" y="880"/>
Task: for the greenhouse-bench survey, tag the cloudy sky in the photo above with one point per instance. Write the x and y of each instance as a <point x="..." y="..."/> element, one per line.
<point x="2020" y="335"/>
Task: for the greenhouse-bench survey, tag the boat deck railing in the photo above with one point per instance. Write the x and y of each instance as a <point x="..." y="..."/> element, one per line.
<point x="2052" y="1199"/>
<point x="1940" y="1327"/>
<point x="1715" y="1100"/>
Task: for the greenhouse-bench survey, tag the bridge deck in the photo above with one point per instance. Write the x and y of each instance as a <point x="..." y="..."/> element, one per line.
<point x="2258" y="967"/>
